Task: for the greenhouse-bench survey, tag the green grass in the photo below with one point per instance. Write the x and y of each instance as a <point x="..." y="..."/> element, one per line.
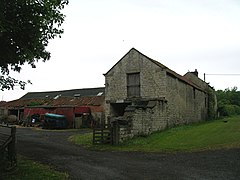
<point x="28" y="169"/>
<point x="196" y="137"/>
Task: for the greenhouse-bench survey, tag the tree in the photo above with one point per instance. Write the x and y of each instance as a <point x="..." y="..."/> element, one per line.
<point x="228" y="101"/>
<point x="26" y="26"/>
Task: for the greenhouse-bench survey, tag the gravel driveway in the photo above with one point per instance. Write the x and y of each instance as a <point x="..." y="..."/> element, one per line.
<point x="52" y="147"/>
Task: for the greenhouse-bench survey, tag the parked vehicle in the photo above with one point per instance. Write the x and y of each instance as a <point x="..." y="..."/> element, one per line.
<point x="54" y="121"/>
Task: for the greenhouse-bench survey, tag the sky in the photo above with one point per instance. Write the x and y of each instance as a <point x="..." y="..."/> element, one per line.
<point x="184" y="35"/>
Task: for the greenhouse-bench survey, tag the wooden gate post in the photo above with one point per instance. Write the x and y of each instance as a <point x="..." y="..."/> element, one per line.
<point x="115" y="134"/>
<point x="8" y="149"/>
<point x="12" y="147"/>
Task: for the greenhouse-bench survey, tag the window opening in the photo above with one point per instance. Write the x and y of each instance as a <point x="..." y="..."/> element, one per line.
<point x="133" y="85"/>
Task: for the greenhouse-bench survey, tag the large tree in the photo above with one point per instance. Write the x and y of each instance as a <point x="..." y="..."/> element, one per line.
<point x="228" y="101"/>
<point x="26" y="26"/>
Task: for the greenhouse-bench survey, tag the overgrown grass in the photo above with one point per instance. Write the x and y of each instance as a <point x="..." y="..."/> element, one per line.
<point x="28" y="169"/>
<point x="224" y="133"/>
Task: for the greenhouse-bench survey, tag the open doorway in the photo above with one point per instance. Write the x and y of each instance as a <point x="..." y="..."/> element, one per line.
<point x="18" y="113"/>
<point x="83" y="121"/>
<point x="118" y="109"/>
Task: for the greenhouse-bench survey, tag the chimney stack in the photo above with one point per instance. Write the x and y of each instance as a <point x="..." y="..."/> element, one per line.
<point x="195" y="72"/>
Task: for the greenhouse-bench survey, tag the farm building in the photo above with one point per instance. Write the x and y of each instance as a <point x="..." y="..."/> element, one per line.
<point x="143" y="96"/>
<point x="81" y="107"/>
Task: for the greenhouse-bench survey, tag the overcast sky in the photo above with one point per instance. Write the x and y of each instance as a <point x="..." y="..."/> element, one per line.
<point x="184" y="35"/>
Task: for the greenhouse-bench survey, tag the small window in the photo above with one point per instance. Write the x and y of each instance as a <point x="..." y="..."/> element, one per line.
<point x="133" y="85"/>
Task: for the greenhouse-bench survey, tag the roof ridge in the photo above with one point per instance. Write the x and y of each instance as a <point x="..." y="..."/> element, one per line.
<point x="67" y="90"/>
<point x="173" y="73"/>
<point x="67" y="93"/>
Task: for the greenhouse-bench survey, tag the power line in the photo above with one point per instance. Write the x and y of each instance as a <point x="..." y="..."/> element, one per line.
<point x="223" y="74"/>
<point x="220" y="75"/>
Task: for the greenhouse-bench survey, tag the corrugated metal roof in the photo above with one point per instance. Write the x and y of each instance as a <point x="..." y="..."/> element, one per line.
<point x="65" y="93"/>
<point x="60" y="102"/>
<point x="3" y="103"/>
<point x="74" y="97"/>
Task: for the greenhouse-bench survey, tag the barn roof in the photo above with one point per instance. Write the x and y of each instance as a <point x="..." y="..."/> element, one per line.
<point x="3" y="103"/>
<point x="60" y="102"/>
<point x="66" y="93"/>
<point x="169" y="71"/>
<point x="73" y="98"/>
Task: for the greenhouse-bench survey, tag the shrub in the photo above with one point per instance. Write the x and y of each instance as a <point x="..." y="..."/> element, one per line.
<point x="3" y="119"/>
<point x="229" y="110"/>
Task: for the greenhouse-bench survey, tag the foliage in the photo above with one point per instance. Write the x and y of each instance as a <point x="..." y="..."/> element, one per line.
<point x="228" y="102"/>
<point x="27" y="169"/>
<point x="33" y="103"/>
<point x="215" y="134"/>
<point x="212" y="111"/>
<point x="26" y="26"/>
<point x="3" y="119"/>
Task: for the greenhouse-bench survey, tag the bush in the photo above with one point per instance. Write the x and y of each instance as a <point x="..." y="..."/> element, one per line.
<point x="229" y="110"/>
<point x="4" y="119"/>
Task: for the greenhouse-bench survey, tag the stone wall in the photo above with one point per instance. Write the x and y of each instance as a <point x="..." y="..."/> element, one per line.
<point x="148" y="120"/>
<point x="144" y="120"/>
<point x="186" y="104"/>
<point x="212" y="98"/>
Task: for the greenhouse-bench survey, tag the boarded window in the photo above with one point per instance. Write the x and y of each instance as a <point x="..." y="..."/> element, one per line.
<point x="133" y="85"/>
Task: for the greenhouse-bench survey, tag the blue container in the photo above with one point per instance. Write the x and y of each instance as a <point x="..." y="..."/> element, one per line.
<point x="54" y="121"/>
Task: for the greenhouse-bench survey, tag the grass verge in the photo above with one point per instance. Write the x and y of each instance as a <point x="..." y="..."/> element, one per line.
<point x="28" y="169"/>
<point x="217" y="134"/>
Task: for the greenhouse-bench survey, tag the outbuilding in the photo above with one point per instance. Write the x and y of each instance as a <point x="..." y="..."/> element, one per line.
<point x="142" y="96"/>
<point x="81" y="107"/>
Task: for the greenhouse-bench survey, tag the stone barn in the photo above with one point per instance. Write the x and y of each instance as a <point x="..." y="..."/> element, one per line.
<point x="143" y="96"/>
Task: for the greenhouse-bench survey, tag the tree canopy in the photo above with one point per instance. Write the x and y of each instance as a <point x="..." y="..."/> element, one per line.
<point x="228" y="101"/>
<point x="26" y="26"/>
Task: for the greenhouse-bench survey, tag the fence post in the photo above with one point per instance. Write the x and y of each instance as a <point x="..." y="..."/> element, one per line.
<point x="8" y="154"/>
<point x="12" y="147"/>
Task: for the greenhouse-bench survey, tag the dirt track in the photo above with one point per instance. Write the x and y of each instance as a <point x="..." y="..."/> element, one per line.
<point x="52" y="147"/>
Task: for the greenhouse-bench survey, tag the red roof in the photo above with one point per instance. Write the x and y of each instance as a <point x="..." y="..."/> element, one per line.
<point x="3" y="103"/>
<point x="59" y="102"/>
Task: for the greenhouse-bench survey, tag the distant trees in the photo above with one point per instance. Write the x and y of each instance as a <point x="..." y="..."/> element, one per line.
<point x="228" y="101"/>
<point x="26" y="26"/>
